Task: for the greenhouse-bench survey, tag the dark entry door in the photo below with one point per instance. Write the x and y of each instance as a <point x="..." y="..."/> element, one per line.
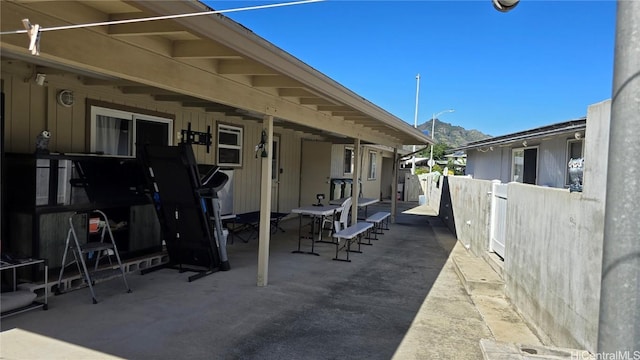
<point x="530" y="166"/>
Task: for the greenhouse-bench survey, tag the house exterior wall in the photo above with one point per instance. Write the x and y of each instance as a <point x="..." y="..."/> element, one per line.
<point x="30" y="108"/>
<point x="337" y="161"/>
<point x="552" y="162"/>
<point x="386" y="177"/>
<point x="496" y="164"/>
<point x="487" y="165"/>
<point x="371" y="188"/>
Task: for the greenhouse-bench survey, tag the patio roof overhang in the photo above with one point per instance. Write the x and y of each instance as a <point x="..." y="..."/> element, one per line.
<point x="208" y="62"/>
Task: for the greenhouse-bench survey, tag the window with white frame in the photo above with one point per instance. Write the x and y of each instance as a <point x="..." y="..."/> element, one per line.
<point x="524" y="165"/>
<point x="229" y="145"/>
<point x="119" y="132"/>
<point x="348" y="160"/>
<point x="575" y="150"/>
<point x="372" y="165"/>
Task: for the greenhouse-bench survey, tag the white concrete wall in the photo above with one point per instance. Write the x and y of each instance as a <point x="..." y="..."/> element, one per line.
<point x="432" y="187"/>
<point x="471" y="204"/>
<point x="558" y="288"/>
<point x="596" y="152"/>
<point x="553" y="256"/>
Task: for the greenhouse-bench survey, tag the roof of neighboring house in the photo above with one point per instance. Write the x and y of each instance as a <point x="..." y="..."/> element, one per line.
<point x="572" y="126"/>
<point x="457" y="154"/>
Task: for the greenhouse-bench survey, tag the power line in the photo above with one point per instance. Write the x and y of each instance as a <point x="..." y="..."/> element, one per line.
<point x="154" y="18"/>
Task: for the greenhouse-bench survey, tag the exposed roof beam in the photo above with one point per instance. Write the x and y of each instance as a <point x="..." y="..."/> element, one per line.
<point x="344" y="113"/>
<point x="203" y="103"/>
<point x="158" y="27"/>
<point x="315" y="101"/>
<point x="202" y="49"/>
<point x="143" y="90"/>
<point x="275" y="81"/>
<point x="173" y="97"/>
<point x="231" y="67"/>
<point x="295" y="92"/>
<point x="213" y="107"/>
<point x="106" y="82"/>
<point x="333" y="108"/>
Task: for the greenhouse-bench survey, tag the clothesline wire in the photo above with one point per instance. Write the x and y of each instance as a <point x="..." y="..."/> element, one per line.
<point x="164" y="17"/>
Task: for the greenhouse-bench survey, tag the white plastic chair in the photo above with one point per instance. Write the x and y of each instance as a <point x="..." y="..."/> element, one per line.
<point x="343" y="220"/>
<point x="331" y="218"/>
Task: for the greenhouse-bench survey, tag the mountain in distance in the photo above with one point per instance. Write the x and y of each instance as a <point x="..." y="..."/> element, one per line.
<point x="452" y="135"/>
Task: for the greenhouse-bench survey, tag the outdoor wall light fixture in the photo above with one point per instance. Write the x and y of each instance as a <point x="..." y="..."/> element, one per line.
<point x="40" y="79"/>
<point x="524" y="143"/>
<point x="505" y="5"/>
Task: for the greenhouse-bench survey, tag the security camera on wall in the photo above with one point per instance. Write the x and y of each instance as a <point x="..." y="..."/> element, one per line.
<point x="504" y="5"/>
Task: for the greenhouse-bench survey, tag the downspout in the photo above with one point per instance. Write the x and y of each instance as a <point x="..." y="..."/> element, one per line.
<point x="394" y="185"/>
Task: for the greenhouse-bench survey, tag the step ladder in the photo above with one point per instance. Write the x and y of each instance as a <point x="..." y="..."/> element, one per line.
<point x="98" y="226"/>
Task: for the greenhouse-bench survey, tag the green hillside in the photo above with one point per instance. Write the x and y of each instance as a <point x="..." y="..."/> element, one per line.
<point x="452" y="135"/>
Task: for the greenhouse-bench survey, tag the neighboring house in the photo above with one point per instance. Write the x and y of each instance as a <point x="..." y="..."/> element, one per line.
<point x="153" y="82"/>
<point x="550" y="240"/>
<point x="456" y="162"/>
<point x="538" y="156"/>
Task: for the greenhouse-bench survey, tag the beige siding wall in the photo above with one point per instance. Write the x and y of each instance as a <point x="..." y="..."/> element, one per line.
<point x="289" y="188"/>
<point x="337" y="161"/>
<point x="31" y="108"/>
<point x="370" y="187"/>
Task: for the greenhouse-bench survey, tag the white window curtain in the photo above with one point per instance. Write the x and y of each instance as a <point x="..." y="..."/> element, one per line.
<point x="108" y="134"/>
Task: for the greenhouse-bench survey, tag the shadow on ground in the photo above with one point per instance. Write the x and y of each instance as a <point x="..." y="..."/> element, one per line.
<point x="313" y="307"/>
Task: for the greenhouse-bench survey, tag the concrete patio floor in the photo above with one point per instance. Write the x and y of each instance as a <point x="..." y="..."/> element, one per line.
<point x="400" y="299"/>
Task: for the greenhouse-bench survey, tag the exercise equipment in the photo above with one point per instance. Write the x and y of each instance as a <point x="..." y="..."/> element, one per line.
<point x="185" y="202"/>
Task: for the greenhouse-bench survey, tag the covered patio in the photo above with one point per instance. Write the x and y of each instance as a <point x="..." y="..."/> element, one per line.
<point x="399" y="298"/>
<point x="200" y="74"/>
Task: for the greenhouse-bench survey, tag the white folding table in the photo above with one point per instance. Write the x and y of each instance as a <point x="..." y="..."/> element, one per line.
<point x="314" y="212"/>
<point x="362" y="203"/>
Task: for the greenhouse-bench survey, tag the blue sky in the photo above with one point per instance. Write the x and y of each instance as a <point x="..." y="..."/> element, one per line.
<point x="540" y="64"/>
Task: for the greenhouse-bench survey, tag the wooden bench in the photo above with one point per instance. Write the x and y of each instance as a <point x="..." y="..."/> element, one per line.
<point x="380" y="221"/>
<point x="350" y="234"/>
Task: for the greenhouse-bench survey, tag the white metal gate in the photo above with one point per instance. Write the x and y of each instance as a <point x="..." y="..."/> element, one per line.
<point x="498" y="227"/>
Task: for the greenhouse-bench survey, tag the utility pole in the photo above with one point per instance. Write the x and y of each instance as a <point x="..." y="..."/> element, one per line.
<point x="619" y="322"/>
<point x="415" y="125"/>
